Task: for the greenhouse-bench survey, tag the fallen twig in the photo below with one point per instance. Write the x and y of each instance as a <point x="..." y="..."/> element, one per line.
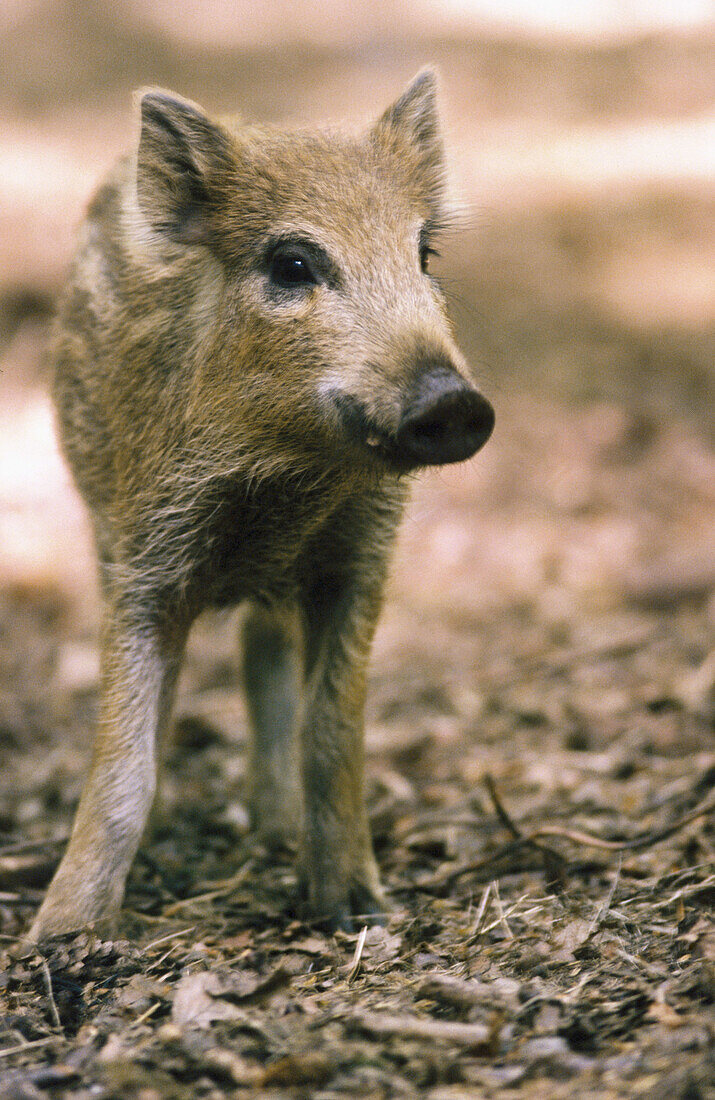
<point x="227" y="886"/>
<point x="21" y="1047"/>
<point x="50" y="995"/>
<point x="498" y="863"/>
<point x="456" y="992"/>
<point x="383" y="1025"/>
<point x="170" y="936"/>
<point x="145" y="1015"/>
<point x="644" y="840"/>
<point x="503" y="816"/>
<point x="555" y="861"/>
<point x="16" y="846"/>
<point x="684" y="892"/>
<point x="638" y="843"/>
<point x="20" y="868"/>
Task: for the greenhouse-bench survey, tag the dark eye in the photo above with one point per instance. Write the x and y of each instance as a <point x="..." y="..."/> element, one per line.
<point x="425" y="254"/>
<point x="290" y="268"/>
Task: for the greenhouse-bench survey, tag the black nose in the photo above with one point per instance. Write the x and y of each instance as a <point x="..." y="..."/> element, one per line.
<point x="446" y="420"/>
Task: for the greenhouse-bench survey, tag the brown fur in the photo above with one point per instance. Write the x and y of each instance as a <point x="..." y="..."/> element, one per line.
<point x="234" y="438"/>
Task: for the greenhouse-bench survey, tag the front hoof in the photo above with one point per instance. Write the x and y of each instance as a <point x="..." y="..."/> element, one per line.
<point x="369" y="906"/>
<point x="45" y="926"/>
<point x="347" y="912"/>
<point x="68" y="908"/>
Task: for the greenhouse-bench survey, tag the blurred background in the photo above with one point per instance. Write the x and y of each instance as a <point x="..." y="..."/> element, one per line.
<point x="581" y="137"/>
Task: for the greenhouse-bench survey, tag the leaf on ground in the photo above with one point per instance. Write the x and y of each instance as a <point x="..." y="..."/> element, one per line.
<point x="381" y="945"/>
<point x="198" y="1002"/>
<point x="572" y="936"/>
<point x="248" y="987"/>
<point x="140" y="990"/>
<point x="206" y="996"/>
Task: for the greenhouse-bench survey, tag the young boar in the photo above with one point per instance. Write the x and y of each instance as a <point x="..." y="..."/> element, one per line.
<point x="251" y="354"/>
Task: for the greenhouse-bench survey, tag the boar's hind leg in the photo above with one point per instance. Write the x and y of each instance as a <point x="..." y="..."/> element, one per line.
<point x="338" y="868"/>
<point x="139" y="668"/>
<point x="273" y="678"/>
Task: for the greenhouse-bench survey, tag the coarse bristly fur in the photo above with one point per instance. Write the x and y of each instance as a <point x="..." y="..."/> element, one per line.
<point x="250" y="355"/>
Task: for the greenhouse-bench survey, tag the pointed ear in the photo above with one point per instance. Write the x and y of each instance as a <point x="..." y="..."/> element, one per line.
<point x="414" y="114"/>
<point x="181" y="153"/>
<point x="413" y="120"/>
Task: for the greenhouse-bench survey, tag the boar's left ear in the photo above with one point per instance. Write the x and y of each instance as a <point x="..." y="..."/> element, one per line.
<point x="414" y="118"/>
<point x="179" y="163"/>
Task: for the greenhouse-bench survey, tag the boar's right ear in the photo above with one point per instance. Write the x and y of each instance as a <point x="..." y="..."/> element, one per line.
<point x="414" y="119"/>
<point x="415" y="113"/>
<point x="181" y="152"/>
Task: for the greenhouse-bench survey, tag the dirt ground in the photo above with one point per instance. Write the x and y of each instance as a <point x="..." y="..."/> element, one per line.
<point x="541" y="762"/>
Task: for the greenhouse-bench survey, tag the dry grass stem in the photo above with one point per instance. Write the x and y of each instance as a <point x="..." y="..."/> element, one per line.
<point x="355" y="964"/>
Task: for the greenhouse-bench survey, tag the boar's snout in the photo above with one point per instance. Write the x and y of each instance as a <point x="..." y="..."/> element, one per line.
<point x="444" y="420"/>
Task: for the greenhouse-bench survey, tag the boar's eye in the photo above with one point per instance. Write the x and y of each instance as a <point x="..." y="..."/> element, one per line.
<point x="289" y="267"/>
<point x="425" y="253"/>
<point x="426" y="236"/>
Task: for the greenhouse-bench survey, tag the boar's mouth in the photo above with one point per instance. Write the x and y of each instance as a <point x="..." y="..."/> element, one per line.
<point x="442" y="423"/>
<point x="364" y="433"/>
